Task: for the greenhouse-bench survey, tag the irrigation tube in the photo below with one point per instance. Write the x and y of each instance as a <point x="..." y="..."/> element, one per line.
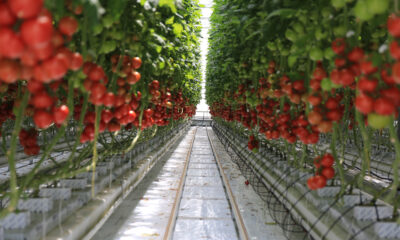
<point x="293" y="198"/>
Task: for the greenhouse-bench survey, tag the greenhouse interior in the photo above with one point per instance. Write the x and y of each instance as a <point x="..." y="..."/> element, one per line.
<point x="199" y="119"/>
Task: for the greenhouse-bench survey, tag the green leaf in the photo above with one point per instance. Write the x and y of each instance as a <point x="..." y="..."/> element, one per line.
<point x="178" y="28"/>
<point x="168" y="3"/>
<point x="142" y="2"/>
<point x="170" y="20"/>
<point x="283" y="13"/>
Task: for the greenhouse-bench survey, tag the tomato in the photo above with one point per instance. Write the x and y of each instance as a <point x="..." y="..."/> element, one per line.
<point x="347" y="77"/>
<point x="396" y="72"/>
<point x="364" y="84"/>
<point x="11" y="44"/>
<point x="106" y="116"/>
<point x="43" y="52"/>
<point x="393" y="94"/>
<point x="9" y="71"/>
<point x="311" y="183"/>
<point x="109" y="99"/>
<point x="378" y="121"/>
<point x="96" y="73"/>
<point x="364" y="104"/>
<point x="325" y="126"/>
<point x="334" y="115"/>
<point x="384" y="106"/>
<point x="367" y="67"/>
<point x="320" y="181"/>
<point x="314" y="117"/>
<point x="28" y="58"/>
<point x="55" y="67"/>
<point x="42" y="119"/>
<point x="393" y="25"/>
<point x="60" y="114"/>
<point x="339" y="45"/>
<point x="68" y="26"/>
<point x="328" y="172"/>
<point x="394" y="50"/>
<point x="37" y="32"/>
<point x="327" y="160"/>
<point x="76" y="61"/>
<point x="155" y="84"/>
<point x="331" y="103"/>
<point x="113" y="127"/>
<point x="25" y="8"/>
<point x="7" y="18"/>
<point x="356" y="54"/>
<point x="42" y="100"/>
<point x="136" y="62"/>
<point x="98" y="90"/>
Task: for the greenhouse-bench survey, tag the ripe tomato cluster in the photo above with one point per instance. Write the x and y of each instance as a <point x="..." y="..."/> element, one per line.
<point x="28" y="140"/>
<point x="253" y="143"/>
<point x="324" y="171"/>
<point x="32" y="49"/>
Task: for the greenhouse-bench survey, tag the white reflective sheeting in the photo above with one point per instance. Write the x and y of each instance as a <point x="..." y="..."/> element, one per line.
<point x="204" y="211"/>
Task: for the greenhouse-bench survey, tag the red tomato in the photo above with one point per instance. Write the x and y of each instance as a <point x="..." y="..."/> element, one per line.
<point x="364" y="84"/>
<point x="328" y="172"/>
<point x="364" y="104"/>
<point x="60" y="114"/>
<point x="42" y="119"/>
<point x="25" y="8"/>
<point x="393" y="25"/>
<point x="77" y="61"/>
<point x="136" y="62"/>
<point x="96" y="73"/>
<point x="327" y="160"/>
<point x="11" y="44"/>
<point x="338" y="46"/>
<point x="7" y="18"/>
<point x="9" y="71"/>
<point x="384" y="106"/>
<point x="37" y="32"/>
<point x="42" y="100"/>
<point x="356" y="54"/>
<point x="68" y="26"/>
<point x="320" y="181"/>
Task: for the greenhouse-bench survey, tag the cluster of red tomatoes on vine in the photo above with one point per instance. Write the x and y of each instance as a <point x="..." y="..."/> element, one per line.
<point x="324" y="171"/>
<point x="295" y="109"/>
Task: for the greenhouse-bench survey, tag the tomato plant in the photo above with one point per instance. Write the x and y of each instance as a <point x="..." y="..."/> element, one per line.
<point x="96" y="67"/>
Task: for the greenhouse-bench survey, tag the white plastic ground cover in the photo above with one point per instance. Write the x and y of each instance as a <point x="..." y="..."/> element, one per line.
<point x="86" y="220"/>
<point x="204" y="211"/>
<point x="258" y="222"/>
<point x="144" y="214"/>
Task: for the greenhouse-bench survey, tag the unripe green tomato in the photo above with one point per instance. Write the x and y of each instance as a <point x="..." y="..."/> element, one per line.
<point x="326" y="84"/>
<point x="320" y="34"/>
<point x="298" y="28"/>
<point x="292" y="59"/>
<point x="280" y="46"/>
<point x="378" y="121"/>
<point x="107" y="21"/>
<point x="339" y="31"/>
<point x="377" y="6"/>
<point x="294" y="49"/>
<point x="290" y="35"/>
<point x="285" y="52"/>
<point x="302" y="18"/>
<point x="329" y="53"/>
<point x="338" y="3"/>
<point x="97" y="29"/>
<point x="362" y="11"/>
<point x="326" y="12"/>
<point x="271" y="46"/>
<point x="316" y="54"/>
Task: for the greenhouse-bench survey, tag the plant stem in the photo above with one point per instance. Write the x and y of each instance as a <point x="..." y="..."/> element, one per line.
<point x="11" y="156"/>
